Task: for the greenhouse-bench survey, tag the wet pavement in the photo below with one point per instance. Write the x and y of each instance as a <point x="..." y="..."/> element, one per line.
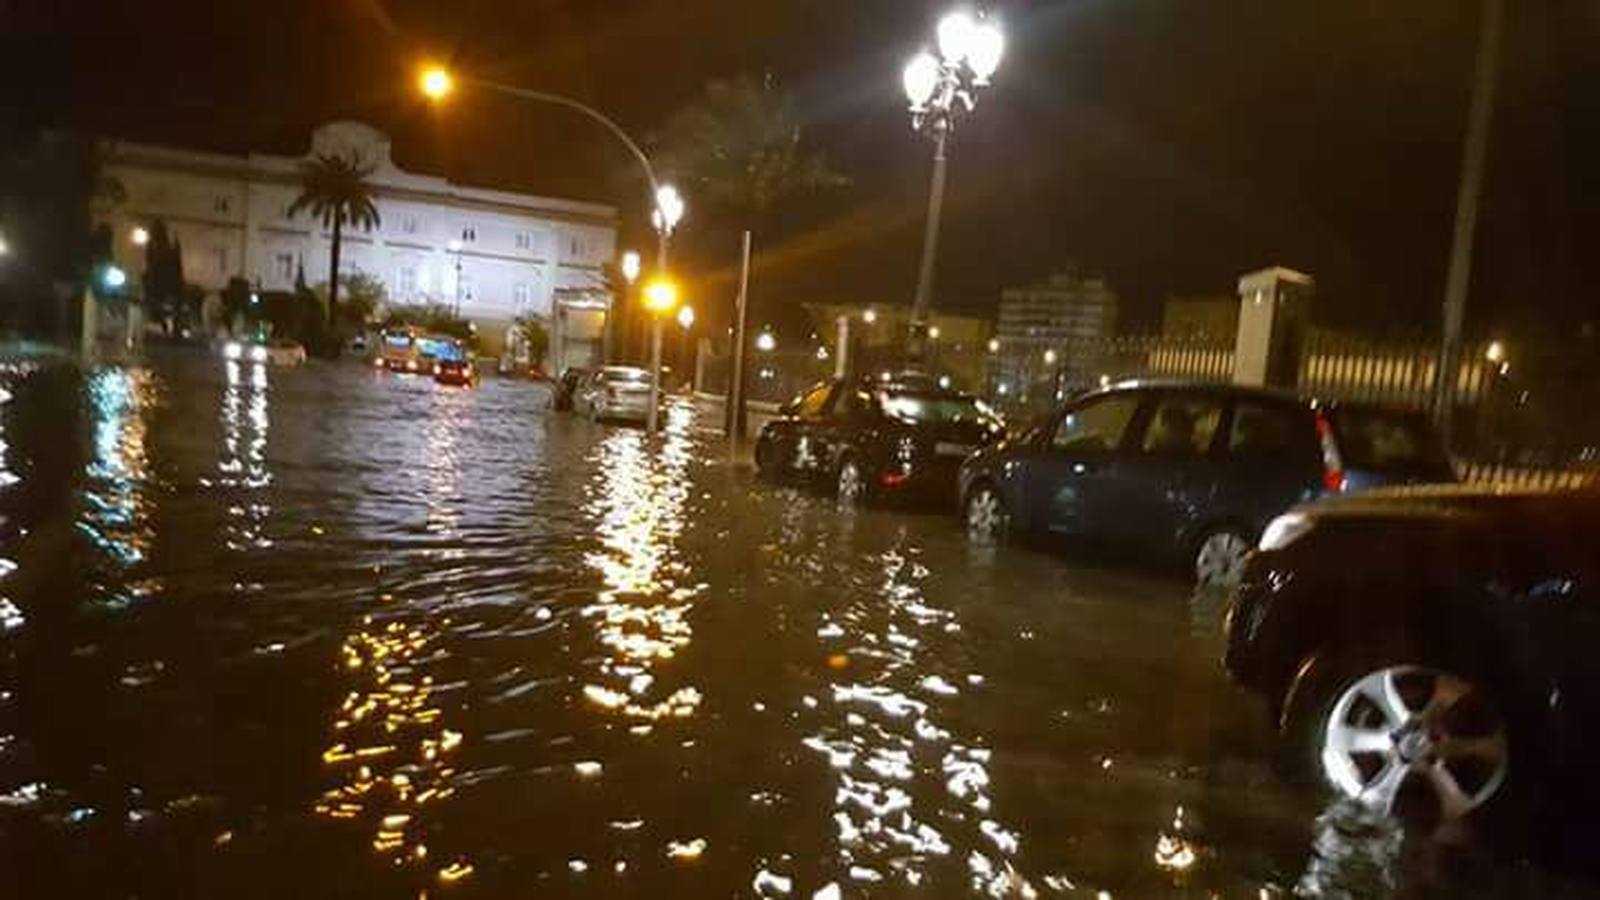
<point x="329" y="632"/>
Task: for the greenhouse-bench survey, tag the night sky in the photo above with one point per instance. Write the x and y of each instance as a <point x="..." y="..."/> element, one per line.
<point x="1171" y="145"/>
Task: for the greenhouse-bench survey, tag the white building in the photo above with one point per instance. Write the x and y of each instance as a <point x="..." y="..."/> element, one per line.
<point x="497" y="255"/>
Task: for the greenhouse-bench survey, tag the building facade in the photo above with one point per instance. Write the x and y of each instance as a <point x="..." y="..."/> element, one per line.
<point x="1214" y="319"/>
<point x="495" y="256"/>
<point x="1041" y="329"/>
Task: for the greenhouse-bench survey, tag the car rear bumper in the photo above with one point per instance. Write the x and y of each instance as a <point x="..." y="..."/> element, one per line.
<point x="1260" y="650"/>
<point x="933" y="481"/>
<point x="625" y="409"/>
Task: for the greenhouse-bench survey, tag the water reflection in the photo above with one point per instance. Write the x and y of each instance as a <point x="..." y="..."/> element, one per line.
<point x="243" y="467"/>
<point x="910" y="788"/>
<point x="117" y="515"/>
<point x="641" y="613"/>
<point x="11" y="617"/>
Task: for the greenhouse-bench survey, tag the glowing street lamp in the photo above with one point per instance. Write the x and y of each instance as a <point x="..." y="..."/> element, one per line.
<point x="686" y="317"/>
<point x="113" y="278"/>
<point x="1495" y="352"/>
<point x="994" y="345"/>
<point x="140" y="235"/>
<point x="1050" y="357"/>
<point x="668" y="213"/>
<point x="660" y="297"/>
<point x="436" y="83"/>
<point x="940" y="88"/>
<point x="869" y="316"/>
<point x="933" y="333"/>
<point x="5" y="248"/>
<point x="630" y="266"/>
<point x="766" y="342"/>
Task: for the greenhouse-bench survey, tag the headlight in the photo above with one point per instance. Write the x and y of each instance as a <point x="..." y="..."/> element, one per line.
<point x="1285" y="530"/>
<point x="258" y="354"/>
<point x="232" y="350"/>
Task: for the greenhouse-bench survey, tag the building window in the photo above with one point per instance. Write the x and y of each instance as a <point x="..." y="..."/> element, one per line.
<point x="524" y="240"/>
<point x="283" y="266"/>
<point x="519" y="296"/>
<point x="221" y="205"/>
<point x="406" y="281"/>
<point x="469" y="234"/>
<point x="408" y="224"/>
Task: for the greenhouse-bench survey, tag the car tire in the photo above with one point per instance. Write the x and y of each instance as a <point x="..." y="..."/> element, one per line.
<point x="850" y="482"/>
<point x="1218" y="557"/>
<point x="1402" y="734"/>
<point x="984" y="516"/>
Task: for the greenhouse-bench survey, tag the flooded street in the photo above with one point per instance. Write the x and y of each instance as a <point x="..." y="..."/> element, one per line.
<point x="327" y="632"/>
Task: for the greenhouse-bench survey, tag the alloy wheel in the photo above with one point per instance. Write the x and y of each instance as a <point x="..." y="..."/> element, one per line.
<point x="1402" y="739"/>
<point x="986" y="516"/>
<point x="1219" y="563"/>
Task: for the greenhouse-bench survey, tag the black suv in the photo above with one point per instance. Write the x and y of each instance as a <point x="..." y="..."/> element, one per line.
<point x="877" y="438"/>
<point x="1189" y="471"/>
<point x="1425" y="650"/>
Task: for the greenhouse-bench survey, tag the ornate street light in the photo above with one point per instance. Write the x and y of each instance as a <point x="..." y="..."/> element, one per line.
<point x="941" y="88"/>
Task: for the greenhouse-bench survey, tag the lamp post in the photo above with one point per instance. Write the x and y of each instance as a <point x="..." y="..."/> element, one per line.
<point x="455" y="247"/>
<point x="685" y="328"/>
<point x="941" y="88"/>
<point x="631" y="266"/>
<point x="667" y="207"/>
<point x="660" y="296"/>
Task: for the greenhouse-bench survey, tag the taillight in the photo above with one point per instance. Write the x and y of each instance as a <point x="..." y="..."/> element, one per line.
<point x="1332" y="466"/>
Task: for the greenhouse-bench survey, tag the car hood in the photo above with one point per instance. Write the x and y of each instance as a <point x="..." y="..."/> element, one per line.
<point x="1448" y="501"/>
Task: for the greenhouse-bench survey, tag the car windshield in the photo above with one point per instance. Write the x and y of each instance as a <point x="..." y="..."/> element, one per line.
<point x="1382" y="440"/>
<point x="937" y="409"/>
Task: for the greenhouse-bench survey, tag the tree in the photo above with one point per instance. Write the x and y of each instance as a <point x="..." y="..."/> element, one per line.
<point x="163" y="274"/>
<point x="363" y="295"/>
<point x="335" y="190"/>
<point x="739" y="146"/>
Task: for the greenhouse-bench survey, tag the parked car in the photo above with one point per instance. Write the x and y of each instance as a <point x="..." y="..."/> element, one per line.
<point x="1430" y="651"/>
<point x="567" y="387"/>
<point x="457" y="371"/>
<point x="874" y="438"/>
<point x="615" y="393"/>
<point x="278" y="352"/>
<point x="1189" y="472"/>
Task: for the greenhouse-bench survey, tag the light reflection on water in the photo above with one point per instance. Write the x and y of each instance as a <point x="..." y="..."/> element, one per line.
<point x="11" y="616"/>
<point x="910" y="787"/>
<point x="116" y="516"/>
<point x="641" y="614"/>
<point x="242" y="470"/>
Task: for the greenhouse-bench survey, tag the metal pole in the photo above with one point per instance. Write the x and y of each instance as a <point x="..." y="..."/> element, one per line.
<point x="733" y="414"/>
<point x="930" y="247"/>
<point x="655" y="374"/>
<point x="1474" y="156"/>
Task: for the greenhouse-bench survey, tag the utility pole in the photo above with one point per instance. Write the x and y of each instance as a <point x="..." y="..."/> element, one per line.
<point x="1473" y="160"/>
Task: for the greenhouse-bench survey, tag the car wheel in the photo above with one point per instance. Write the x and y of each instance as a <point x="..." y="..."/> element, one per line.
<point x="987" y="520"/>
<point x="1419" y="742"/>
<point x="1219" y="559"/>
<point x="851" y="485"/>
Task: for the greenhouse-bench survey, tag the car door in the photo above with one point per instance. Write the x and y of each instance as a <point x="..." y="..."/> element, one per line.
<point x="805" y="450"/>
<point x="1164" y="482"/>
<point x="1270" y="459"/>
<point x="1064" y="486"/>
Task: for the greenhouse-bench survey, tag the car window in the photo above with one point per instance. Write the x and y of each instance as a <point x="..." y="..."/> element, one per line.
<point x="814" y="405"/>
<point x="1266" y="431"/>
<point x="1182" y="425"/>
<point x="935" y="409"/>
<point x="1097" y="424"/>
<point x="1383" y="440"/>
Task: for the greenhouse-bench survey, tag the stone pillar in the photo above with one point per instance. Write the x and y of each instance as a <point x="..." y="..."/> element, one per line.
<point x="702" y="350"/>
<point x="1274" y="306"/>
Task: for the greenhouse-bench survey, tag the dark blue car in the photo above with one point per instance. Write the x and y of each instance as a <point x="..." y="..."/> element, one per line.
<point x="1188" y="472"/>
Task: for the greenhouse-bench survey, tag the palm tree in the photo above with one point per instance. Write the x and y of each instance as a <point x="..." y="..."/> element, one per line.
<point x="738" y="145"/>
<point x="335" y="189"/>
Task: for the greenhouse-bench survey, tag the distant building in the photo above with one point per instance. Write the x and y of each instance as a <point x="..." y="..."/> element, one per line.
<point x="1068" y="306"/>
<point x="956" y="345"/>
<point x="1212" y="318"/>
<point x="1058" y="317"/>
<point x="494" y="254"/>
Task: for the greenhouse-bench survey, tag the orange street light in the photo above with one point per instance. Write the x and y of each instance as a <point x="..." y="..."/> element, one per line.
<point x="660" y="296"/>
<point x="436" y="82"/>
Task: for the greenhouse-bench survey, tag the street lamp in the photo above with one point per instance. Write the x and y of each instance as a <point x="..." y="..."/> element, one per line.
<point x="766" y="342"/>
<point x="668" y="213"/>
<point x="630" y="266"/>
<point x="660" y="296"/>
<point x="436" y="83"/>
<point x="113" y="278"/>
<point x="942" y="87"/>
<point x="5" y="248"/>
<point x="994" y="345"/>
<point x="140" y="235"/>
<point x="686" y="317"/>
<point x="1495" y="352"/>
<point x="870" y="316"/>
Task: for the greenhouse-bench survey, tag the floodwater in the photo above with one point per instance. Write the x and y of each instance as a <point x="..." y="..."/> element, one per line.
<point x="329" y="632"/>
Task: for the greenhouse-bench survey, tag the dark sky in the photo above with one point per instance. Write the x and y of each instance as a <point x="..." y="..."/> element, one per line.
<point x="1171" y="144"/>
